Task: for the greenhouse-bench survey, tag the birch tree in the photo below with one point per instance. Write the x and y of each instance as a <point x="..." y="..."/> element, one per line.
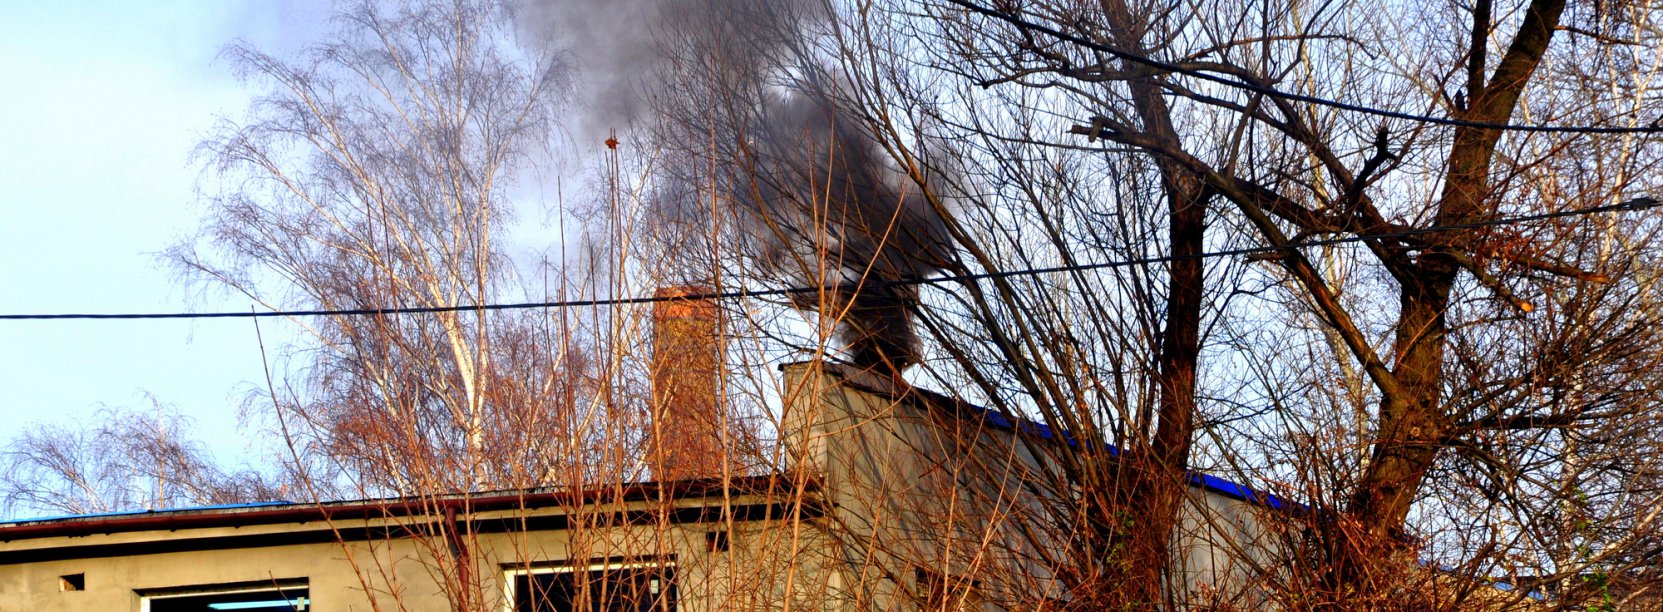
<point x="379" y="172"/>
<point x="125" y="460"/>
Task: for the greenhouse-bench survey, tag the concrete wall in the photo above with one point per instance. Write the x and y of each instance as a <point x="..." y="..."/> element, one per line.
<point x="764" y="561"/>
<point x="920" y="482"/>
<point x="913" y="493"/>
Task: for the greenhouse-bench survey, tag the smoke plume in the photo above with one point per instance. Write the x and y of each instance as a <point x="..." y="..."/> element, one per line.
<point x="737" y="92"/>
<point x="631" y="56"/>
<point x="820" y="184"/>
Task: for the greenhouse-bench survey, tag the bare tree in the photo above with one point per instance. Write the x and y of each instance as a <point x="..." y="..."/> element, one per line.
<point x="131" y="460"/>
<point x="1445" y="385"/>
<point x="380" y="172"/>
<point x="1432" y="385"/>
<point x="1103" y="131"/>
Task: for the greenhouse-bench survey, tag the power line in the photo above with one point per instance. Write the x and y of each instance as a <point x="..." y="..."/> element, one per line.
<point x="1631" y="205"/>
<point x="1636" y="204"/>
<point x="1145" y="60"/>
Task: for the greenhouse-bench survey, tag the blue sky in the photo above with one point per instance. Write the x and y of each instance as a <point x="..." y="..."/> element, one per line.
<point x="101" y="104"/>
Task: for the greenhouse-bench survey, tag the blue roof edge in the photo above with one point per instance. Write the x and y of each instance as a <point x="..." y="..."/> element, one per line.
<point x="1202" y="480"/>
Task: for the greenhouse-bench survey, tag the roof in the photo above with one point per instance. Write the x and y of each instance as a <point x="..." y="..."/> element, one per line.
<point x="267" y="513"/>
<point x="957" y="408"/>
<point x="275" y="512"/>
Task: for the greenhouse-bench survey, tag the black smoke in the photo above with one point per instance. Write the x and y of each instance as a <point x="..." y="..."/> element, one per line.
<point x="737" y="95"/>
<point x="833" y="211"/>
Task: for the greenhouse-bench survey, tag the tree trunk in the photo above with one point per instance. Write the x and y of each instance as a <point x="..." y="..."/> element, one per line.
<point x="1153" y="477"/>
<point x="1414" y="421"/>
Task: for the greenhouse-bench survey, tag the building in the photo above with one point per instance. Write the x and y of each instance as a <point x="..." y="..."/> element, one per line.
<point x="893" y="498"/>
<point x="398" y="554"/>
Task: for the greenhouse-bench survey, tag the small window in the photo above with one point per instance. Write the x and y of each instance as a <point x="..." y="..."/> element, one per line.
<point x="72" y="582"/>
<point x="615" y="586"/>
<point x="716" y="541"/>
<point x="261" y="597"/>
<point x="944" y="593"/>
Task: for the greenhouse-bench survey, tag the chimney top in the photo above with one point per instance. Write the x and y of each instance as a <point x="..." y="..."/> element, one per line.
<point x="684" y="302"/>
<point x="689" y="421"/>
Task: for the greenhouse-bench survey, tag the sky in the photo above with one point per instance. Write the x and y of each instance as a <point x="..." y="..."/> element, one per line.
<point x="101" y="104"/>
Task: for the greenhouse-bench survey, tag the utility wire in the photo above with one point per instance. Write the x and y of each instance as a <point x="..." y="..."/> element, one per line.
<point x="1636" y="204"/>
<point x="1019" y="22"/>
<point x="1011" y="18"/>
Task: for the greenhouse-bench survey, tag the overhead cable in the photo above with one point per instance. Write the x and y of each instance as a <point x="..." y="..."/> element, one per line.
<point x="1636" y="204"/>
<point x="1137" y="58"/>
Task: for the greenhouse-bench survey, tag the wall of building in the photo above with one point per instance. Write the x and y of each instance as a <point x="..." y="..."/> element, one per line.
<point x="918" y="500"/>
<point x="930" y="490"/>
<point x="762" y="562"/>
<point x="915" y="503"/>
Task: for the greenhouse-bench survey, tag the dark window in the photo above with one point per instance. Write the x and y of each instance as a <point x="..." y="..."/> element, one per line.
<point x="596" y="589"/>
<point x="72" y="582"/>
<point x="293" y="599"/>
<point x="943" y="593"/>
<point x="716" y="541"/>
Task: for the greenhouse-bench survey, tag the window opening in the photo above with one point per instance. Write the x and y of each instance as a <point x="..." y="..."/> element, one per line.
<point x="72" y="582"/>
<point x="616" y="586"/>
<point x="264" y="598"/>
<point x="947" y="593"/>
<point x="716" y="541"/>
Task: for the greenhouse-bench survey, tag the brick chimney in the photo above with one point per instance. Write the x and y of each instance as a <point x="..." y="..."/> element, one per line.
<point x="688" y="421"/>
